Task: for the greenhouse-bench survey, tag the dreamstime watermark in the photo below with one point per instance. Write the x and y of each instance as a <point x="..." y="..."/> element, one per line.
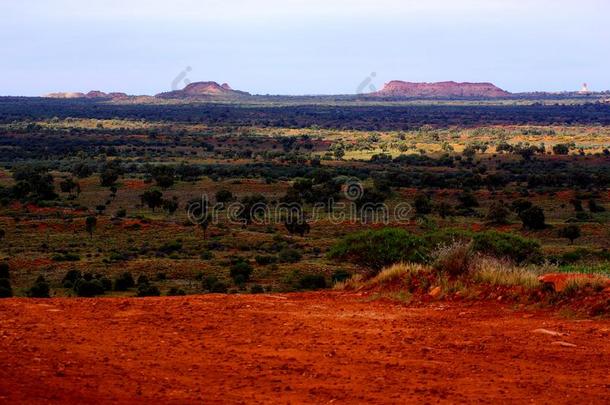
<point x="181" y="79"/>
<point x="353" y="207"/>
<point x="367" y="84"/>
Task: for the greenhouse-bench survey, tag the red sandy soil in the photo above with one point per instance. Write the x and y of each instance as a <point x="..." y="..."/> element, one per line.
<point x="295" y="348"/>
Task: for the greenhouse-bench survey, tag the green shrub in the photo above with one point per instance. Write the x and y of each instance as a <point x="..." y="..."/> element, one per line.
<point x="219" y="287"/>
<point x="533" y="218"/>
<point x="208" y="282"/>
<point x="124" y="282"/>
<point x="340" y="275"/>
<point x="174" y="291"/>
<point x="106" y="283"/>
<point x="213" y="285"/>
<point x="148" y="290"/>
<point x="4" y="270"/>
<point x="377" y="249"/>
<point x="143" y="279"/>
<point x="312" y="282"/>
<point x="207" y="255"/>
<point x="265" y="260"/>
<point x="66" y="257"/>
<point x="40" y="289"/>
<point x="5" y="288"/>
<point x="88" y="288"/>
<point x="72" y="276"/>
<point x="240" y="272"/>
<point x="288" y="255"/>
<point x="507" y="245"/>
<point x="570" y="232"/>
<point x="170" y="247"/>
<point x="257" y="289"/>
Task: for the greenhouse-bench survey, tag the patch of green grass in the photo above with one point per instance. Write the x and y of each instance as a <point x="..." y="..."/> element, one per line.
<point x="599" y="268"/>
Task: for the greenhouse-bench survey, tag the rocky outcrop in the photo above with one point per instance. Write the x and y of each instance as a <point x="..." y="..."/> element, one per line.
<point x="204" y="90"/>
<point x="400" y="89"/>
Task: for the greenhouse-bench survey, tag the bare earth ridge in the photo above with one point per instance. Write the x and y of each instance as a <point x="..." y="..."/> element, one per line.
<point x="301" y="348"/>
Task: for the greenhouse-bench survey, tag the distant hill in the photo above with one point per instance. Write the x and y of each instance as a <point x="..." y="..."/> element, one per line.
<point x="204" y="90"/>
<point x="400" y="89"/>
<point x="93" y="94"/>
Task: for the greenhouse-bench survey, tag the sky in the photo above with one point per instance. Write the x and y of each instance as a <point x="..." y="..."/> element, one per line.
<point x="301" y="46"/>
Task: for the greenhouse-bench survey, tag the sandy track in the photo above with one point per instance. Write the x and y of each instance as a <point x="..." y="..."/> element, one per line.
<point x="301" y="348"/>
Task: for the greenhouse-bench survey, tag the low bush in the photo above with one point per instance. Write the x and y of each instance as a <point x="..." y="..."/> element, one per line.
<point x="71" y="276"/>
<point x="40" y="289"/>
<point x="240" y="272"/>
<point x="454" y="259"/>
<point x="312" y="282"/>
<point x="170" y="247"/>
<point x="507" y="245"/>
<point x="4" y="270"/>
<point x="213" y="285"/>
<point x="5" y="288"/>
<point x="380" y="248"/>
<point x="339" y="276"/>
<point x="288" y="255"/>
<point x="148" y="290"/>
<point x="124" y="282"/>
<point x="257" y="289"/>
<point x="174" y="292"/>
<point x="533" y="218"/>
<point x="265" y="260"/>
<point x="143" y="279"/>
<point x="219" y="287"/>
<point x="88" y="288"/>
<point x="66" y="257"/>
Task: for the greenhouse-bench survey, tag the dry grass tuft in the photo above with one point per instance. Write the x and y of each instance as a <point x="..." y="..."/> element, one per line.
<point x="576" y="285"/>
<point x="395" y="275"/>
<point x="503" y="273"/>
<point x="353" y="283"/>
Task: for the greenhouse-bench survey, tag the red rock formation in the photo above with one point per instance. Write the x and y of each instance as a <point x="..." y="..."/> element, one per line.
<point x="203" y="89"/>
<point x="398" y="88"/>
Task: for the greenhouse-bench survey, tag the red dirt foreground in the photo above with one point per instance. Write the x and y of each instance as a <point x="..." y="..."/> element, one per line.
<point x="296" y="348"/>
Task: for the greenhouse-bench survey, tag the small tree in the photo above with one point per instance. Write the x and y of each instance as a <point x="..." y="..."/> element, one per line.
<point x="240" y="272"/>
<point x="152" y="198"/>
<point x="5" y="288"/>
<point x="468" y="200"/>
<point x="423" y="204"/>
<point x="533" y="218"/>
<point x="90" y="223"/>
<point x="108" y="177"/>
<point x="571" y="232"/>
<point x="561" y="149"/>
<point x="170" y="206"/>
<point x="40" y="289"/>
<point x="224" y="196"/>
<point x="4" y="270"/>
<point x="498" y="213"/>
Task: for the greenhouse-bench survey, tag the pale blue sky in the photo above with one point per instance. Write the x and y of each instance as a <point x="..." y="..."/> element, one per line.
<point x="301" y="46"/>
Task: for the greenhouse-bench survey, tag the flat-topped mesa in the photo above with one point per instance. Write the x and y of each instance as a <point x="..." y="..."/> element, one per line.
<point x="203" y="89"/>
<point x="400" y="89"/>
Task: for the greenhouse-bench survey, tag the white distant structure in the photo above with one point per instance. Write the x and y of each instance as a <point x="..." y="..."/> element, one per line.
<point x="584" y="89"/>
